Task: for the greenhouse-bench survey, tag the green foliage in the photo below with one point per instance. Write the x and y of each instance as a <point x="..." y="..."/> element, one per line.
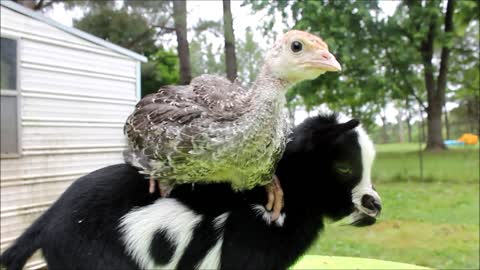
<point x="249" y="57"/>
<point x="161" y="69"/>
<point x="206" y="59"/>
<point x="214" y="27"/>
<point x="381" y="57"/>
<point x="465" y="74"/>
<point x="203" y="57"/>
<point x="129" y="30"/>
<point x="351" y="30"/>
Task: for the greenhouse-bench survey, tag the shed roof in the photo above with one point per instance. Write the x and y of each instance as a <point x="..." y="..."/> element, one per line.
<point x="81" y="34"/>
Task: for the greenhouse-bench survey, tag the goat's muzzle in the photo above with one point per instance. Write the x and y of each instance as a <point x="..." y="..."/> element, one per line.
<point x="371" y="205"/>
<point x="367" y="212"/>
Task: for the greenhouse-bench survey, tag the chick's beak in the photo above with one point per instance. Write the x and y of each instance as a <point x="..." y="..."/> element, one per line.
<point x="325" y="61"/>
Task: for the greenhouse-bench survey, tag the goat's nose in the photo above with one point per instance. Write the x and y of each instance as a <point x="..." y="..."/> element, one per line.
<point x="372" y="204"/>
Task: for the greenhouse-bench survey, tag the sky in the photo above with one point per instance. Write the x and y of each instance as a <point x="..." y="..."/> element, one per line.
<point x="243" y="17"/>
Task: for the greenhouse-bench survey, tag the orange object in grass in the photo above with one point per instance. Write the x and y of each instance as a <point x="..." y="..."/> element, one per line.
<point x="468" y="138"/>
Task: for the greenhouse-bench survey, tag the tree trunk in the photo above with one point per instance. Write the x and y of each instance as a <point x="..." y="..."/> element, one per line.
<point x="384" y="129"/>
<point x="401" y="139"/>
<point x="434" y="109"/>
<point x="436" y="90"/>
<point x="230" y="57"/>
<point x="434" y="124"/>
<point x="27" y="3"/>
<point x="409" y="119"/>
<point x="180" y="20"/>
<point x="423" y="130"/>
<point x="447" y="123"/>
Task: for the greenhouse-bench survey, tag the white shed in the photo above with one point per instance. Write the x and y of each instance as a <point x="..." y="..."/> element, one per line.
<point x="65" y="95"/>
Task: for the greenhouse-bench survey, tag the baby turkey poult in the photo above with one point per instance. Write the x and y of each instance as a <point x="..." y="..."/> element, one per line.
<point x="215" y="131"/>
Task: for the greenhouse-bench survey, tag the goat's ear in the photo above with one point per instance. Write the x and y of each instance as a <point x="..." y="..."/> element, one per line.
<point x="338" y="129"/>
<point x="344" y="127"/>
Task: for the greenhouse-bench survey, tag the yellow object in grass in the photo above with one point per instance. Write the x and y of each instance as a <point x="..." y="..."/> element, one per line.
<point x="335" y="262"/>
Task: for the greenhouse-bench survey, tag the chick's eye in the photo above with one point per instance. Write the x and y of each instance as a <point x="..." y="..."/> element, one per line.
<point x="296" y="46"/>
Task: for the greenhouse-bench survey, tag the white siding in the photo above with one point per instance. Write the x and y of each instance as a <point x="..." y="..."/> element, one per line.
<point x="75" y="97"/>
<point x="76" y="85"/>
<point x="34" y="52"/>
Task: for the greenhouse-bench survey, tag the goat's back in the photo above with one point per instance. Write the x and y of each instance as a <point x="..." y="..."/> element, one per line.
<point x="80" y="230"/>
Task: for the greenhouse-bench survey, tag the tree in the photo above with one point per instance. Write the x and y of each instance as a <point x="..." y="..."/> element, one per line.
<point x="180" y="19"/>
<point x="204" y="57"/>
<point x="431" y="30"/>
<point x="129" y="30"/>
<point x="250" y="55"/>
<point x="35" y="5"/>
<point x="230" y="57"/>
<point x="382" y="58"/>
<point x="350" y="28"/>
<point x="132" y="31"/>
<point x="423" y="20"/>
<point x="41" y="5"/>
<point x="465" y="72"/>
<point x="161" y="69"/>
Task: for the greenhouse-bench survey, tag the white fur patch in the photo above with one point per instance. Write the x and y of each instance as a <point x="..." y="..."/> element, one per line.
<point x="368" y="155"/>
<point x="212" y="259"/>
<point x="219" y="222"/>
<point x="365" y="185"/>
<point x="140" y="225"/>
<point x="267" y="216"/>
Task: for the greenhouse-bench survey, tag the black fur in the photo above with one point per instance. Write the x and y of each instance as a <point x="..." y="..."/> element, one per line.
<point x="204" y="238"/>
<point x="80" y="230"/>
<point x="162" y="248"/>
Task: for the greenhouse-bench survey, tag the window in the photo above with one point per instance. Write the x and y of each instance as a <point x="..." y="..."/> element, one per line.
<point x="9" y="122"/>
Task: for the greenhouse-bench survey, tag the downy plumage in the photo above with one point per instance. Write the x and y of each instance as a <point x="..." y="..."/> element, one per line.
<point x="215" y="131"/>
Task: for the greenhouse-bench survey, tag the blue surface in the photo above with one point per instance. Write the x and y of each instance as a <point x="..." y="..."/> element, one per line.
<point x="453" y="143"/>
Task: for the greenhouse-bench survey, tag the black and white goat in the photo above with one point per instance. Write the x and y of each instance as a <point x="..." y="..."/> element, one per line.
<point x="108" y="220"/>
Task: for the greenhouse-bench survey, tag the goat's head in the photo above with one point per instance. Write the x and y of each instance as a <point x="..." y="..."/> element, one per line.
<point x="334" y="161"/>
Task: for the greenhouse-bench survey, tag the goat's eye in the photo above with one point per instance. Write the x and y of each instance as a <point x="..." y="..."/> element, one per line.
<point x="343" y="169"/>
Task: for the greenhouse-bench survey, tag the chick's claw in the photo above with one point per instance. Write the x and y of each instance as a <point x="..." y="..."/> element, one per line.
<point x="151" y="186"/>
<point x="275" y="198"/>
<point x="164" y="189"/>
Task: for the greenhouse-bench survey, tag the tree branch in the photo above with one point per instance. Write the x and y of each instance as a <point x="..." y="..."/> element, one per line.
<point x="412" y="92"/>
<point x="137" y="38"/>
<point x="410" y="87"/>
<point x="164" y="29"/>
<point x="41" y="4"/>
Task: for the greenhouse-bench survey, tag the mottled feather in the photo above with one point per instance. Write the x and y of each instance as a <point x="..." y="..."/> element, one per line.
<point x="213" y="130"/>
<point x="210" y="130"/>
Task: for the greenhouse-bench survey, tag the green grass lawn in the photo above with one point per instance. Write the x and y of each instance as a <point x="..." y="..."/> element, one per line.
<point x="396" y="162"/>
<point x="434" y="223"/>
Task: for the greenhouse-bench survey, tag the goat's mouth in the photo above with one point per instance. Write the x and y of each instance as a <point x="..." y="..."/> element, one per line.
<point x="360" y="219"/>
